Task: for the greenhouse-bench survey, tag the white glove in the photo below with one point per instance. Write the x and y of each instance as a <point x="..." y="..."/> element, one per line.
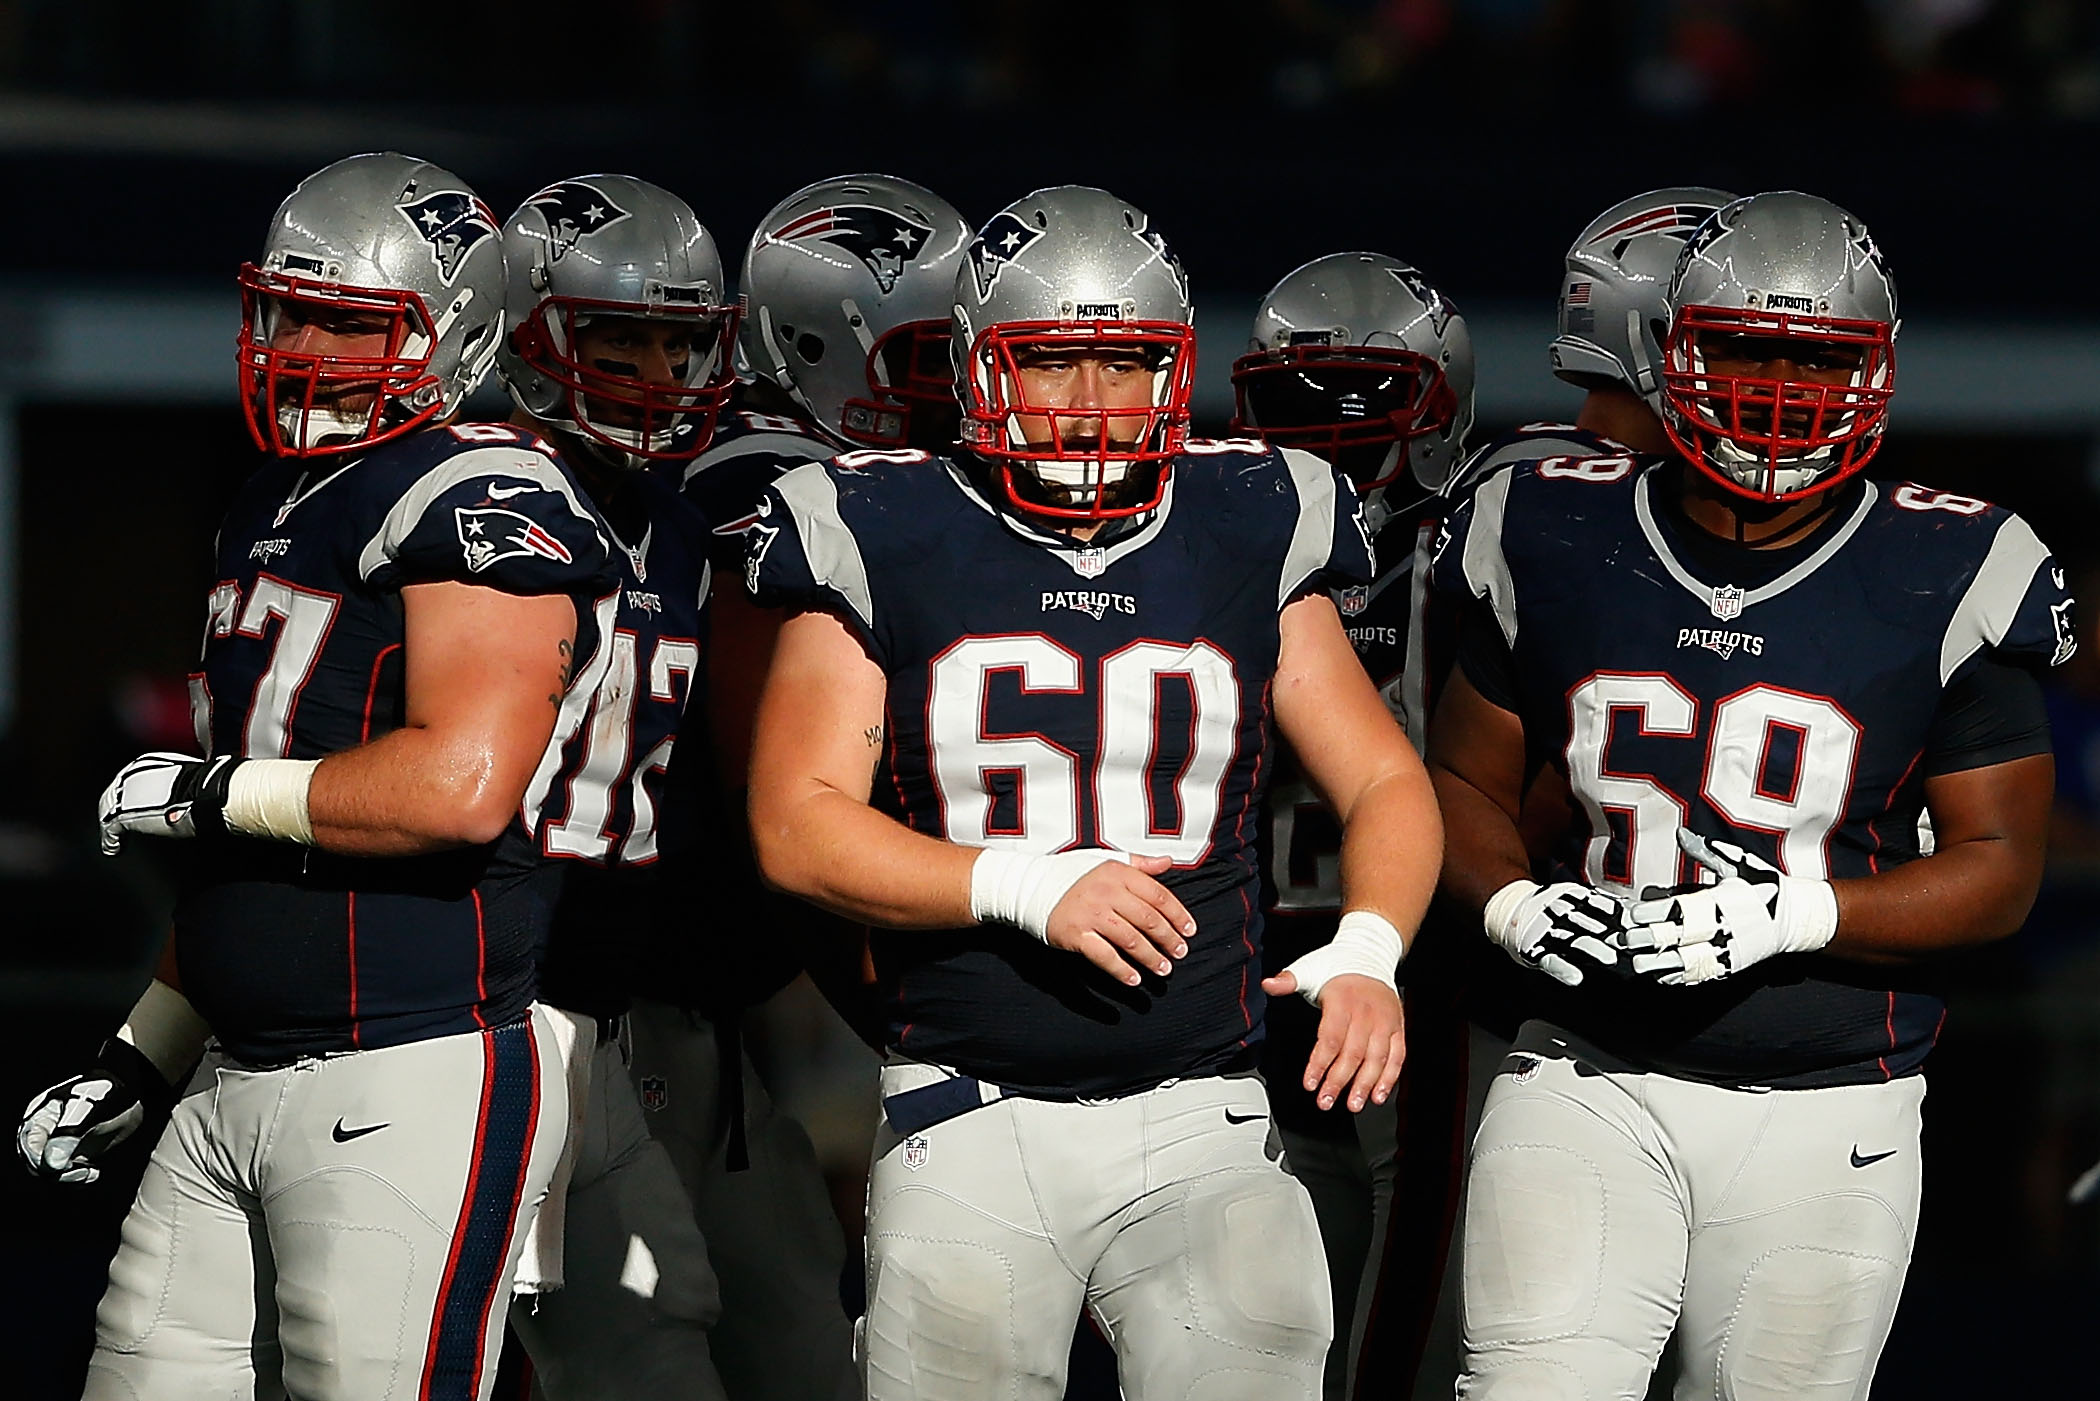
<point x="67" y="1132"/>
<point x="165" y="795"/>
<point x="1753" y="912"/>
<point x="1543" y="926"/>
<point x="1021" y="889"/>
<point x="1364" y="942"/>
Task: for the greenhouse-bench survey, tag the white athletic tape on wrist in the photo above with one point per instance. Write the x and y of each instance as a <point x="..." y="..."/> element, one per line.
<point x="267" y="798"/>
<point x="1364" y="942"/>
<point x="1502" y="908"/>
<point x="1815" y="918"/>
<point x="166" y="1030"/>
<point x="1021" y="889"/>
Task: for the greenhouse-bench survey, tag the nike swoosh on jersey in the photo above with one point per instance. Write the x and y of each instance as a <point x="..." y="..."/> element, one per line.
<point x="497" y="493"/>
<point x="343" y="1135"/>
<point x="1858" y="1161"/>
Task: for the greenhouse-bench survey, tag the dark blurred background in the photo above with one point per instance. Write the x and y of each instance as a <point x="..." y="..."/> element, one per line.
<point x="143" y="148"/>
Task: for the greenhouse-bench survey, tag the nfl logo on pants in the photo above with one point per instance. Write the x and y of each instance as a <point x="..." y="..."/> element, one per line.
<point x="1727" y="602"/>
<point x="656" y="1092"/>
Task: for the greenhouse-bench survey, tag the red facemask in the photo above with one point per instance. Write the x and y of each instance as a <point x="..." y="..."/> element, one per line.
<point x="1774" y="423"/>
<point x="1087" y="456"/>
<point x="624" y="411"/>
<point x="310" y="403"/>
<point x="1301" y="397"/>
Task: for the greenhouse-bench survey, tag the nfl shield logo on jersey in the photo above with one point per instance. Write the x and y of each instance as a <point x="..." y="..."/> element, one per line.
<point x="1089" y="563"/>
<point x="1727" y="602"/>
<point x="916" y="1151"/>
<point x="656" y="1093"/>
<point x="1353" y="600"/>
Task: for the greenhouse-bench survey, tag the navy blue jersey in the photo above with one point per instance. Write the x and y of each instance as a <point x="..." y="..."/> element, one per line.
<point x="1794" y="713"/>
<point x="290" y="951"/>
<point x="1048" y="694"/>
<point x="749" y="450"/>
<point x="1534" y="442"/>
<point x="605" y="807"/>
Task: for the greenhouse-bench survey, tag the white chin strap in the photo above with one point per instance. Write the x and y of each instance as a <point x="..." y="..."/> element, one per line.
<point x="1756" y="473"/>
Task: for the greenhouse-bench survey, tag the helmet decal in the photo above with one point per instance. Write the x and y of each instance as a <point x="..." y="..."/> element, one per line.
<point x="574" y="211"/>
<point x="881" y="238"/>
<point x="451" y="222"/>
<point x="999" y="244"/>
<point x="1439" y="306"/>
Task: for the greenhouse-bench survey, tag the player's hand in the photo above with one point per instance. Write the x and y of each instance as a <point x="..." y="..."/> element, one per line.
<point x="1362" y="1041"/>
<point x="1753" y="912"/>
<point x="69" y="1130"/>
<point x="165" y="795"/>
<point x="1560" y="929"/>
<point x="1120" y="919"/>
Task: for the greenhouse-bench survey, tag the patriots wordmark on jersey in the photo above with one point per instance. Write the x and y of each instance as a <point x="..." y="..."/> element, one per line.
<point x="1791" y="701"/>
<point x="290" y="951"/>
<point x="1047" y="693"/>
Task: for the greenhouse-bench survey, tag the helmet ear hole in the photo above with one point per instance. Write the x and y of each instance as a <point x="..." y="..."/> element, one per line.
<point x="810" y="348"/>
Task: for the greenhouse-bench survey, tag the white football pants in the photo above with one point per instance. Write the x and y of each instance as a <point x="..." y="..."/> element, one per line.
<point x="1168" y="1214"/>
<point x="638" y="1294"/>
<point x="343" y="1228"/>
<point x="1608" y="1206"/>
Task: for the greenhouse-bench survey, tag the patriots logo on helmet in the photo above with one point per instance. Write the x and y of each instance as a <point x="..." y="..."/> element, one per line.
<point x="999" y="244"/>
<point x="1675" y="220"/>
<point x="574" y="210"/>
<point x="1440" y="309"/>
<point x="884" y="240"/>
<point x="451" y="222"/>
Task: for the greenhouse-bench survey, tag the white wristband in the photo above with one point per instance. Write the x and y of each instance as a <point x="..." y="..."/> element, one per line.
<point x="1503" y="907"/>
<point x="1364" y="942"/>
<point x="267" y="798"/>
<point x="1021" y="889"/>
<point x="166" y="1030"/>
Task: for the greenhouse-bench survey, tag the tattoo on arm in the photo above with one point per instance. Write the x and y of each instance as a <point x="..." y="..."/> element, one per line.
<point x="874" y="734"/>
<point x="568" y="670"/>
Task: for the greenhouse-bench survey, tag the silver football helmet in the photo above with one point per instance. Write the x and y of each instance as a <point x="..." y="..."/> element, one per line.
<point x="609" y="251"/>
<point x="846" y="286"/>
<point x="1358" y="358"/>
<point x="1612" y="314"/>
<point x="376" y="306"/>
<point x="1790" y="281"/>
<point x="1065" y="268"/>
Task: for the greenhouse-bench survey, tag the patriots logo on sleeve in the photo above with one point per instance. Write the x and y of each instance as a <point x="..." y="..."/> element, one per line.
<point x="452" y="222"/>
<point x="2060" y="617"/>
<point x="1001" y="242"/>
<point x="574" y="211"/>
<point x="884" y="241"/>
<point x="491" y="533"/>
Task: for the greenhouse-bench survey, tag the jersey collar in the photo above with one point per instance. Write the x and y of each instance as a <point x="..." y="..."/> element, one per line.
<point x="1087" y="560"/>
<point x="1727" y="600"/>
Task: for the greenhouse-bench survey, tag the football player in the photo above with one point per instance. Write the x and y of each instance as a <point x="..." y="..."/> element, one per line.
<point x="1020" y="721"/>
<point x="620" y="351"/>
<point x="1612" y="321"/>
<point x="337" y="1205"/>
<point x="1358" y="359"/>
<point x="847" y="285"/>
<point x="1757" y="672"/>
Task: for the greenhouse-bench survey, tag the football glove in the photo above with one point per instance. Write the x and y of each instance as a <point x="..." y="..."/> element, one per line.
<point x="1752" y="912"/>
<point x="1558" y="928"/>
<point x="166" y="795"/>
<point x="68" y="1131"/>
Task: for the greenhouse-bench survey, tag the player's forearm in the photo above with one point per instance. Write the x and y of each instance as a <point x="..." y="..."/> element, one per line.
<point x="415" y="790"/>
<point x="1392" y="848"/>
<point x="1483" y="848"/>
<point x="1970" y="893"/>
<point x="840" y="854"/>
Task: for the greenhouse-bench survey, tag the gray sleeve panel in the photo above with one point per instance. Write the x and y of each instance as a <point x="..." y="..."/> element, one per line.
<point x="1312" y="538"/>
<point x="1993" y="598"/>
<point x="827" y="543"/>
<point x="1486" y="568"/>
<point x="495" y="461"/>
<point x="792" y="446"/>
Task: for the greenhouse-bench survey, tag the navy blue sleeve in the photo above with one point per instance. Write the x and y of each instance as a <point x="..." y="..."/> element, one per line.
<point x="801" y="555"/>
<point x="1330" y="543"/>
<point x="2016" y="606"/>
<point x="504" y="517"/>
